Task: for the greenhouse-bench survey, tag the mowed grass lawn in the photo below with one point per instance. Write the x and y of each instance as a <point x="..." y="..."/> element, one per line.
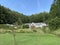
<point x="29" y="39"/>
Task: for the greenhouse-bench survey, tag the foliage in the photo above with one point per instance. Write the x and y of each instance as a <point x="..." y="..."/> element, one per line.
<point x="54" y="19"/>
<point x="25" y="26"/>
<point x="34" y="30"/>
<point x="54" y="24"/>
<point x="8" y="16"/>
<point x="41" y="17"/>
<point x="55" y="9"/>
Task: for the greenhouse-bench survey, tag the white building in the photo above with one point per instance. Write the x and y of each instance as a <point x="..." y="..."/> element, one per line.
<point x="36" y="24"/>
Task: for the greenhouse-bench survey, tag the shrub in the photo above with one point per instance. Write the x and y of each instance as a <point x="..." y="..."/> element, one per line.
<point x="3" y="26"/>
<point x="22" y="31"/>
<point x="25" y="26"/>
<point x="34" y="30"/>
<point x="44" y="29"/>
<point x="26" y="31"/>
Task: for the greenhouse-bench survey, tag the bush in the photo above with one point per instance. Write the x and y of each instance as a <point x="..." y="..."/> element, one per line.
<point x="44" y="29"/>
<point x="25" y="26"/>
<point x="26" y="31"/>
<point x="34" y="30"/>
<point x="3" y="26"/>
<point x="22" y="31"/>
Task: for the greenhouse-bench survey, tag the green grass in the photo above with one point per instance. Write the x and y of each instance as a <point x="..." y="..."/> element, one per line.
<point x="30" y="39"/>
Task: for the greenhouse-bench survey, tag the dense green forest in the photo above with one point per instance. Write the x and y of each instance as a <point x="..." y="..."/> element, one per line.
<point x="8" y="16"/>
<point x="52" y="18"/>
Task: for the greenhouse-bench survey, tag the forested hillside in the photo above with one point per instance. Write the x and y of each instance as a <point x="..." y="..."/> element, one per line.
<point x="8" y="16"/>
<point x="11" y="17"/>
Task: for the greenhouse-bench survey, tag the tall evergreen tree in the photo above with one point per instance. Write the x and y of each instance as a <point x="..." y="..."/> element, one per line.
<point x="55" y="9"/>
<point x="54" y="22"/>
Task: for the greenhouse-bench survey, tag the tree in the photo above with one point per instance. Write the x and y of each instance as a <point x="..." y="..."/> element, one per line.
<point x="8" y="16"/>
<point x="54" y="24"/>
<point x="41" y="17"/>
<point x="55" y="9"/>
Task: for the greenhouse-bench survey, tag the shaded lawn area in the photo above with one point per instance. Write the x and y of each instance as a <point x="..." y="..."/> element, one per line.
<point x="30" y="39"/>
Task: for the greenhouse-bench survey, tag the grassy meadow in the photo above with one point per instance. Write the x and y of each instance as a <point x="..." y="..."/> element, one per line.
<point x="29" y="39"/>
